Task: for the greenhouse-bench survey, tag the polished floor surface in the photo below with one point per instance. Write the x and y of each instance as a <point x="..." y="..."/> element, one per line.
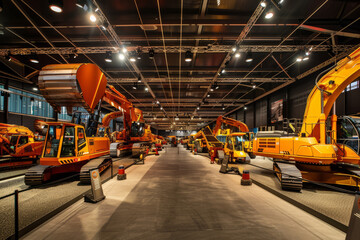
<point x="180" y="196"/>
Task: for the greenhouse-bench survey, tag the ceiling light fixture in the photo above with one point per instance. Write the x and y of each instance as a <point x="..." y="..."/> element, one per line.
<point x="263" y="4"/>
<point x="81" y="3"/>
<point x="135" y="86"/>
<point x="157" y="102"/>
<point x="208" y="95"/>
<point x="121" y="56"/>
<point x="212" y="88"/>
<point x="237" y="54"/>
<point x="198" y="108"/>
<point x="188" y="56"/>
<point x="35" y="89"/>
<point x="108" y="57"/>
<point x="104" y="26"/>
<point x="161" y="108"/>
<point x="245" y="108"/>
<point x="223" y="71"/>
<point x="249" y="57"/>
<point x="56" y="5"/>
<point x="269" y="14"/>
<point x="151" y="53"/>
<point x="8" y="56"/>
<point x="146" y="89"/>
<point x="139" y="79"/>
<point x="216" y="86"/>
<point x="92" y="17"/>
<point x="177" y="117"/>
<point x="34" y="58"/>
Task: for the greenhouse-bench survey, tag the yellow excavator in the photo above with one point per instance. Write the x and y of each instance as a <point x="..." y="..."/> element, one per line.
<point x="315" y="153"/>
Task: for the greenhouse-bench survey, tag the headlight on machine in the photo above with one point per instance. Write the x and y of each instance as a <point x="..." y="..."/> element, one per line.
<point x="335" y="148"/>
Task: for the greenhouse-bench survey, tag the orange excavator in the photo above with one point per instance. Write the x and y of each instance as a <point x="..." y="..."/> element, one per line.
<point x="315" y="153"/>
<point x="73" y="147"/>
<point x="134" y="137"/>
<point x="20" y="144"/>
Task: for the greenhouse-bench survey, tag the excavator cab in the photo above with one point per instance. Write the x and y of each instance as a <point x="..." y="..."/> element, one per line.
<point x="234" y="147"/>
<point x="18" y="141"/>
<point x="137" y="129"/>
<point x="64" y="140"/>
<point x="348" y="132"/>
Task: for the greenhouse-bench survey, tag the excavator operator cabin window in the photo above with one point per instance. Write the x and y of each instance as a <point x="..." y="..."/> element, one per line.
<point x="229" y="142"/>
<point x="81" y="137"/>
<point x="68" y="145"/>
<point x="23" y="140"/>
<point x="238" y="142"/>
<point x="52" y="141"/>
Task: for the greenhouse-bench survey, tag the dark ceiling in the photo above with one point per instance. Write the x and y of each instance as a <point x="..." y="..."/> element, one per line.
<point x="207" y="28"/>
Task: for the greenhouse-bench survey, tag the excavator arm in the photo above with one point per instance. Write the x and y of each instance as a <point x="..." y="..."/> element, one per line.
<point x="325" y="93"/>
<point x="230" y="122"/>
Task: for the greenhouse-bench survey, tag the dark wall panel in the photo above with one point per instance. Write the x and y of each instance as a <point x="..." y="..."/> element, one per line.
<point x="249" y="116"/>
<point x="261" y="113"/>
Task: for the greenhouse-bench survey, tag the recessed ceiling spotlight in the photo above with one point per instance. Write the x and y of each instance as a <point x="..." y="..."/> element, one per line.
<point x="263" y="4"/>
<point x="56" y="5"/>
<point x="121" y="56"/>
<point x="35" y="89"/>
<point x="92" y="17"/>
<point x="269" y="14"/>
<point x="245" y="108"/>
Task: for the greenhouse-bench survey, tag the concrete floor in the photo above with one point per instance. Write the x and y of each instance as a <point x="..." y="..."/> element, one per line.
<point x="180" y="196"/>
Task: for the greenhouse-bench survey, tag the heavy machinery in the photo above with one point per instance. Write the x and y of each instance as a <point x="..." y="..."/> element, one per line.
<point x="190" y="143"/>
<point x="314" y="153"/>
<point x="205" y="141"/>
<point x="173" y="141"/>
<point x="225" y="126"/>
<point x="19" y="145"/>
<point x="71" y="147"/>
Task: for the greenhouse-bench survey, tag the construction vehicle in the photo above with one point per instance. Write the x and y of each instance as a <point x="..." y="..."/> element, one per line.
<point x="190" y="144"/>
<point x="205" y="141"/>
<point x="71" y="147"/>
<point x="19" y="145"/>
<point x="225" y="126"/>
<point x="173" y="141"/>
<point x="314" y="153"/>
<point x="128" y="141"/>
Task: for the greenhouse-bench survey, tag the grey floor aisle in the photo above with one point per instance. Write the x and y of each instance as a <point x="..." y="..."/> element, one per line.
<point x="181" y="196"/>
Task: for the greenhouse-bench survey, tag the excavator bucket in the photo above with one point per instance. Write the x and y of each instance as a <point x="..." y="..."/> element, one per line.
<point x="72" y="85"/>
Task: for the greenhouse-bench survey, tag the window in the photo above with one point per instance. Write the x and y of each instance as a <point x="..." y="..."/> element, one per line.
<point x="81" y="138"/>
<point x="52" y="141"/>
<point x="23" y="140"/>
<point x="238" y="142"/>
<point x="229" y="143"/>
<point x="68" y="145"/>
<point x="352" y="86"/>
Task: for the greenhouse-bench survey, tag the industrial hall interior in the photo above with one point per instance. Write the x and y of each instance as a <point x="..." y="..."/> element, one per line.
<point x="182" y="119"/>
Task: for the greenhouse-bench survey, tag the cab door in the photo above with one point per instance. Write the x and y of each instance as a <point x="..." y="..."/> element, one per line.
<point x="81" y="144"/>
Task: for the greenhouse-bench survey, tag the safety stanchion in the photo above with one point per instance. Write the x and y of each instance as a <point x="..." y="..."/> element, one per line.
<point x="245" y="180"/>
<point x="121" y="173"/>
<point x="16" y="208"/>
